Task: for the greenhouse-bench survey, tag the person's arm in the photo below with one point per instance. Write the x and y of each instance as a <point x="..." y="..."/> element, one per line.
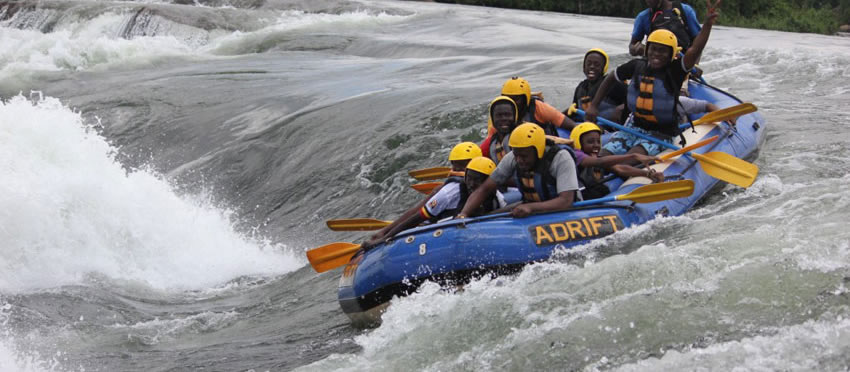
<point x="563" y="201"/>
<point x="636" y="47"/>
<point x="546" y="113"/>
<point x="411" y="221"/>
<point x="695" y="51"/>
<point x="568" y="123"/>
<point x="639" y="31"/>
<point x="609" y="161"/>
<point x="593" y="111"/>
<point x="692" y="21"/>
<point x="626" y="171"/>
<point x="478" y="197"/>
<point x="563" y="168"/>
<point x="412" y="211"/>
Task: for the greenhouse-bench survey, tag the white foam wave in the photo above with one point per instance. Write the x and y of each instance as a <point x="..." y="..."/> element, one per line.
<point x="815" y="345"/>
<point x="13" y="359"/>
<point x="154" y="331"/>
<point x="98" y="42"/>
<point x="68" y="209"/>
<point x="81" y="46"/>
<point x="294" y="24"/>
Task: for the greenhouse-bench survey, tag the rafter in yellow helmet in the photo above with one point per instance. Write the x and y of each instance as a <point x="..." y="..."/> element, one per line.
<point x="664" y="37"/>
<point x="529" y="135"/>
<point x="604" y="55"/>
<point x="575" y="134"/>
<point x="517" y="86"/>
<point x="464" y="151"/>
<point x="481" y="165"/>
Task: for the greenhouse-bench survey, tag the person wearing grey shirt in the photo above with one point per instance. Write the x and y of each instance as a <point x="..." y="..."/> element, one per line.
<point x="528" y="144"/>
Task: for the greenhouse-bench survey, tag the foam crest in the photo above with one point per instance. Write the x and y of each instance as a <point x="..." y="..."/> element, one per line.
<point x="814" y="345"/>
<point x="81" y="46"/>
<point x="68" y="210"/>
<point x="293" y="24"/>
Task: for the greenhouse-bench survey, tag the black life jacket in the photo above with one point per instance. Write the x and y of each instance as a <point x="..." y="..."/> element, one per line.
<point x="591" y="178"/>
<point x="653" y="97"/>
<point x="540" y="185"/>
<point x="585" y="92"/>
<point x="673" y="20"/>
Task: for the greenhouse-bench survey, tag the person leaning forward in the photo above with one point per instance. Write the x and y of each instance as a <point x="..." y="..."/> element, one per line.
<point x="546" y="175"/>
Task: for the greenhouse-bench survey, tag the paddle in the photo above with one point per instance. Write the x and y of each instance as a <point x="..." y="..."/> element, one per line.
<point x="685" y="149"/>
<point x="649" y="193"/>
<point x="728" y="113"/>
<point x="428" y="174"/>
<point x="334" y="255"/>
<point x="717" y="164"/>
<point x="331" y="256"/>
<point x="426" y="187"/>
<point x="357" y="224"/>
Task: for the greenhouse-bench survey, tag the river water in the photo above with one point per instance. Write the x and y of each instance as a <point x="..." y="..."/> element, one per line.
<point x="165" y="165"/>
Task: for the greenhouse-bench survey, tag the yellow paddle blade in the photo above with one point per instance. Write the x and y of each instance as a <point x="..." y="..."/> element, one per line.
<point x="430" y="173"/>
<point x="727" y="113"/>
<point x="660" y="191"/>
<point x="331" y="256"/>
<point x="356" y="224"/>
<point x="688" y="148"/>
<point x="426" y="187"/>
<point x="728" y="168"/>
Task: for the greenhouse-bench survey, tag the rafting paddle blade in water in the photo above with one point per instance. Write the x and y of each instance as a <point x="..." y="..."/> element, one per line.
<point x="331" y="256"/>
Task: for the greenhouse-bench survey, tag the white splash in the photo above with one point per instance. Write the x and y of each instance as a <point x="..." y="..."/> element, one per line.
<point x="68" y="210"/>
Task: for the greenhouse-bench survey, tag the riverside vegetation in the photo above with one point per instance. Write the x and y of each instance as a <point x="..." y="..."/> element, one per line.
<point x="816" y="16"/>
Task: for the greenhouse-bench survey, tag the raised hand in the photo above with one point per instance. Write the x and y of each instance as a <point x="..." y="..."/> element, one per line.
<point x="712" y="11"/>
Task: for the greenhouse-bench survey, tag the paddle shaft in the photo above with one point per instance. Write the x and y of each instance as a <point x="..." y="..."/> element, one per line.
<point x="633" y="132"/>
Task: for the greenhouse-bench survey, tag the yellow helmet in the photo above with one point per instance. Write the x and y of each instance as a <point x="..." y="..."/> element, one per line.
<point x="604" y="55"/>
<point x="464" y="151"/>
<point x="580" y="129"/>
<point x="517" y="86"/>
<point x="490" y="110"/>
<point x="664" y="37"/>
<point x="481" y="165"/>
<point x="529" y="135"/>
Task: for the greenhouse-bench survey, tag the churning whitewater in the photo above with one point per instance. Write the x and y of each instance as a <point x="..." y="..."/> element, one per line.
<point x="167" y="164"/>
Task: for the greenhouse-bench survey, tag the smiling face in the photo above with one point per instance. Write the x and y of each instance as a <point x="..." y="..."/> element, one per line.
<point x="591" y="143"/>
<point x="503" y="117"/>
<point x="593" y="65"/>
<point x="659" y="55"/>
<point x="526" y="158"/>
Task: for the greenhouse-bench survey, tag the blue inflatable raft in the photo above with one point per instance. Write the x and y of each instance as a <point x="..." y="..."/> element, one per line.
<point x="454" y="251"/>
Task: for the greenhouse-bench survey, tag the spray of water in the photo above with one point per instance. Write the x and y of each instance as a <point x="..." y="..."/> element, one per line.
<point x="68" y="209"/>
